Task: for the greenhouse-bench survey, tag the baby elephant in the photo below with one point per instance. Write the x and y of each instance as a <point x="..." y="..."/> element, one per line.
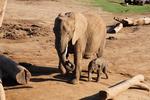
<point x="97" y="65"/>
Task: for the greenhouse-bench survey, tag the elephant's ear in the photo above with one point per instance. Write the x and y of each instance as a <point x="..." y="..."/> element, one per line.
<point x="80" y="26"/>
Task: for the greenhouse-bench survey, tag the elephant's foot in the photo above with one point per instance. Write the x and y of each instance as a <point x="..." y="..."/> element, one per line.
<point x="90" y="79"/>
<point x="98" y="80"/>
<point x="87" y="55"/>
<point x="75" y="81"/>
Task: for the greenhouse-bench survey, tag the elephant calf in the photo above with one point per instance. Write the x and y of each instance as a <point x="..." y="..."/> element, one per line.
<point x="99" y="65"/>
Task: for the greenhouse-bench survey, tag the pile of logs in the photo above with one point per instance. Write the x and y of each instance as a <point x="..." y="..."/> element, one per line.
<point x="130" y="22"/>
<point x="113" y="91"/>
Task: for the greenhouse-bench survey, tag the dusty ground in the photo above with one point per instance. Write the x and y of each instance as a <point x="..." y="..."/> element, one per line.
<point x="29" y="38"/>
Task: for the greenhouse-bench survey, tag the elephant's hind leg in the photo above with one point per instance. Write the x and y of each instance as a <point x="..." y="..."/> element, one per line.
<point x="101" y="48"/>
<point x="105" y="72"/>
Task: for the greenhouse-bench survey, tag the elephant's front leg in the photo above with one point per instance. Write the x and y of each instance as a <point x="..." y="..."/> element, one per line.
<point x="90" y="75"/>
<point x="77" y="61"/>
<point x="105" y="71"/>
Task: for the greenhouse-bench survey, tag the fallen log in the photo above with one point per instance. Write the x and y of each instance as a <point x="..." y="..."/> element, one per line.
<point x="3" y="4"/>
<point x="116" y="89"/>
<point x="133" y="21"/>
<point x="13" y="70"/>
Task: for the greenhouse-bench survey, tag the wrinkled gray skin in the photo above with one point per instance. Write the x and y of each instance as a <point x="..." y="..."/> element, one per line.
<point x="82" y="35"/>
<point x="99" y="66"/>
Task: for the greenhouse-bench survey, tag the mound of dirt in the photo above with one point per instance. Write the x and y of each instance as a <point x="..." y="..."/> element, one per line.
<point x="22" y="30"/>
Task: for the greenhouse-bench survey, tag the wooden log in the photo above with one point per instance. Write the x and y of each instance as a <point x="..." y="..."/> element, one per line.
<point x="118" y="27"/>
<point x="15" y="71"/>
<point x="3" y="4"/>
<point x="114" y="90"/>
<point x="23" y="76"/>
<point x="146" y="20"/>
<point x="2" y="92"/>
<point x="133" y="21"/>
<point x="125" y="21"/>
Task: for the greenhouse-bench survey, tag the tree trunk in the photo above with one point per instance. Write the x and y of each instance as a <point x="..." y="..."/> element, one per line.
<point x="13" y="70"/>
<point x="114" y="90"/>
<point x="3" y="4"/>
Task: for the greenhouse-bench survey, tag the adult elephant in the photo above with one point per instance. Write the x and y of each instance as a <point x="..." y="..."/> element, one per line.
<point x="84" y="35"/>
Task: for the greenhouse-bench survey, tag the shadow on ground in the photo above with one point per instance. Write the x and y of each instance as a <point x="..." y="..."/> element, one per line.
<point x="10" y="83"/>
<point x="92" y="97"/>
<point x="41" y="70"/>
<point x="97" y="96"/>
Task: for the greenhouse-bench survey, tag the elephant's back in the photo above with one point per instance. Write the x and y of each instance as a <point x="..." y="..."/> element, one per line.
<point x="94" y="18"/>
<point x="96" y="32"/>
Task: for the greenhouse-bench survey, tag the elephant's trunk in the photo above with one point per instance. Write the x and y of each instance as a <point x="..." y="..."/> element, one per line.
<point x="66" y="63"/>
<point x="63" y="56"/>
<point x="63" y="50"/>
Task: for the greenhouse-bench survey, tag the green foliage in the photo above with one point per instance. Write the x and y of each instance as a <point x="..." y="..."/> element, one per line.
<point x="116" y="6"/>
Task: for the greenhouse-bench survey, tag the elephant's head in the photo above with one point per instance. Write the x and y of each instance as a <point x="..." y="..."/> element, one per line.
<point x="68" y="28"/>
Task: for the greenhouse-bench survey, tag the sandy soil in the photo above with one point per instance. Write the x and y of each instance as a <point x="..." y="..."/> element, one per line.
<point x="29" y="38"/>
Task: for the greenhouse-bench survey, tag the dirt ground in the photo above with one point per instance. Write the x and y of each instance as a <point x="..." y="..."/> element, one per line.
<point x="27" y="36"/>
